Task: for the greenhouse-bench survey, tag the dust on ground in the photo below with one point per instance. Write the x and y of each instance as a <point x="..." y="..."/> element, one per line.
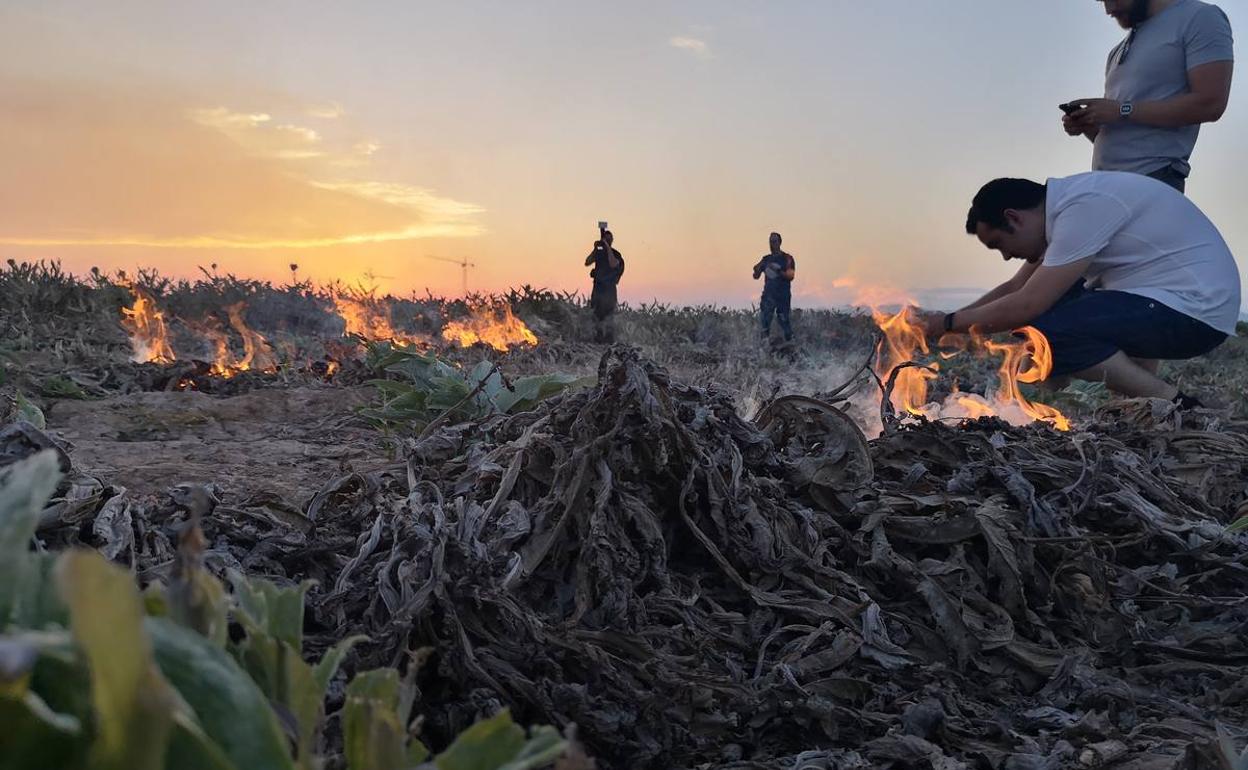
<point x="282" y="443"/>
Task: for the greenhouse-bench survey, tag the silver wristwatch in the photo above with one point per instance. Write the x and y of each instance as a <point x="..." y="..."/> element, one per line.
<point x="1124" y="111"/>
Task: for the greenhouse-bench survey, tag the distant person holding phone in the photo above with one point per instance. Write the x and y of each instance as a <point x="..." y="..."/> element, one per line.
<point x="608" y="267"/>
<point x="1170" y="74"/>
<point x="778" y="268"/>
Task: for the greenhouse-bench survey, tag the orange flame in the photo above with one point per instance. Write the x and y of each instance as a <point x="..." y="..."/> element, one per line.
<point x="256" y="351"/>
<point x="371" y="321"/>
<point x="903" y="339"/>
<point x="145" y="323"/>
<point x="1029" y="361"/>
<point x="222" y="358"/>
<point x="1033" y="352"/>
<point x="495" y="326"/>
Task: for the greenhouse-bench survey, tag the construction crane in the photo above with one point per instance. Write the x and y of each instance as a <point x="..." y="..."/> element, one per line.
<point x="464" y="265"/>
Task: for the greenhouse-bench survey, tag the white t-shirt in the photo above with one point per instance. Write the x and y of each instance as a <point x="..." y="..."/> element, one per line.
<point x="1144" y="238"/>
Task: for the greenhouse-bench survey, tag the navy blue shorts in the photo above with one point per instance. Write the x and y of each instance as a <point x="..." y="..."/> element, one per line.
<point x="1087" y="326"/>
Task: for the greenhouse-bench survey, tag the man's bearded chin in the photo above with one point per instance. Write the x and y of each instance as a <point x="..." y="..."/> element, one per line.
<point x="1138" y="14"/>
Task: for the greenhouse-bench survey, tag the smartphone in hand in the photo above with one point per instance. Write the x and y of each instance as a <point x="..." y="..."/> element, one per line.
<point x="1071" y="107"/>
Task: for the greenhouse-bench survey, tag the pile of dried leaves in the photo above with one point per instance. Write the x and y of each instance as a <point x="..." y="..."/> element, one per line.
<point x="696" y="590"/>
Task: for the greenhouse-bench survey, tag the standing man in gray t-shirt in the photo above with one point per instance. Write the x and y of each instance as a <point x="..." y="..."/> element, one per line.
<point x="1170" y="74"/>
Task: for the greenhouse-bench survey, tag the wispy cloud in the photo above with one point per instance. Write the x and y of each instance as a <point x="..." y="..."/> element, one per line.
<point x="328" y="111"/>
<point x="224" y="119"/>
<point x="360" y="154"/>
<point x="258" y="133"/>
<point x="212" y="177"/>
<point x="306" y="134"/>
<point x="693" y="45"/>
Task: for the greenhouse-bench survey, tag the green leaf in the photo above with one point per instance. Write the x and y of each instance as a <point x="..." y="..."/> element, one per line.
<point x="272" y="617"/>
<point x="487" y="745"/>
<point x="60" y="675"/>
<point x="304" y="699"/>
<point x="276" y="610"/>
<point x="35" y="733"/>
<point x="373" y="737"/>
<point x="28" y="411"/>
<point x="24" y="489"/>
<point x="530" y="390"/>
<point x="131" y="701"/>
<point x="332" y="659"/>
<point x="1239" y="525"/>
<point x="190" y="748"/>
<point x="197" y="601"/>
<point x="34" y="736"/>
<point x="56" y="386"/>
<point x="230" y="708"/>
<point x="545" y="745"/>
<point x="42" y="607"/>
<point x="417" y="752"/>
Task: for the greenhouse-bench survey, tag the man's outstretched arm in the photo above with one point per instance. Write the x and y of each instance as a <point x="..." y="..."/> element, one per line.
<point x="1009" y="287"/>
<point x="1011" y="311"/>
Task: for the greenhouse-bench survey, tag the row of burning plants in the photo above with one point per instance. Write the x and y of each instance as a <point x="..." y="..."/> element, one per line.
<point x="149" y="327"/>
<point x="1024" y="358"/>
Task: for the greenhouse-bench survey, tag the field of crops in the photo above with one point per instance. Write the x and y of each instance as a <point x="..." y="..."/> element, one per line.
<point x="248" y="526"/>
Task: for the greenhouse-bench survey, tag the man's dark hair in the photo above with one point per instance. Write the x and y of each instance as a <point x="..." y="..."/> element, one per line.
<point x="994" y="198"/>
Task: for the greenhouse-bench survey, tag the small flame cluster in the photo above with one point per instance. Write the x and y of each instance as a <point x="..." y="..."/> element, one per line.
<point x="493" y="325"/>
<point x="149" y="335"/>
<point x="1027" y="360"/>
<point x="370" y="320"/>
<point x="145" y="323"/>
<point x="257" y="354"/>
<point x="488" y="324"/>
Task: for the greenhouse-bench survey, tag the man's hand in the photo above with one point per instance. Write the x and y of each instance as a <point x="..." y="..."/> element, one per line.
<point x="1073" y="127"/>
<point x="1095" y="113"/>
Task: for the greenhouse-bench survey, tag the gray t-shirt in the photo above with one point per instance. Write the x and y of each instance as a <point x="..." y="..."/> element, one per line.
<point x="1159" y="54"/>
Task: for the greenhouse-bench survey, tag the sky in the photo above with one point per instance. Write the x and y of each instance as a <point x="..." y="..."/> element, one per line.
<point x="361" y="141"/>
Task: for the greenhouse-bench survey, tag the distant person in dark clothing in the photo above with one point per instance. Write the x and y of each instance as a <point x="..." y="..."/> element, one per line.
<point x="608" y="267"/>
<point x="778" y="268"/>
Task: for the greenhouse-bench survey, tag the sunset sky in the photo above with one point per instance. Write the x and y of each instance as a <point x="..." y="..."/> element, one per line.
<point x="357" y="139"/>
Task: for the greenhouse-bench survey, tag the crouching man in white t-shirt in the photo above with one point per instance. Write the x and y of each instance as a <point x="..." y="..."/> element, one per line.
<point x="1121" y="272"/>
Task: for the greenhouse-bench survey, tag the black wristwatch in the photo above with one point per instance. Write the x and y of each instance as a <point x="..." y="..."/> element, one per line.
<point x="949" y="322"/>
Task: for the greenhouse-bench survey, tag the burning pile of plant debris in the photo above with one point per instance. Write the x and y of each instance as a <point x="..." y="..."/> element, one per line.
<point x="693" y="589"/>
